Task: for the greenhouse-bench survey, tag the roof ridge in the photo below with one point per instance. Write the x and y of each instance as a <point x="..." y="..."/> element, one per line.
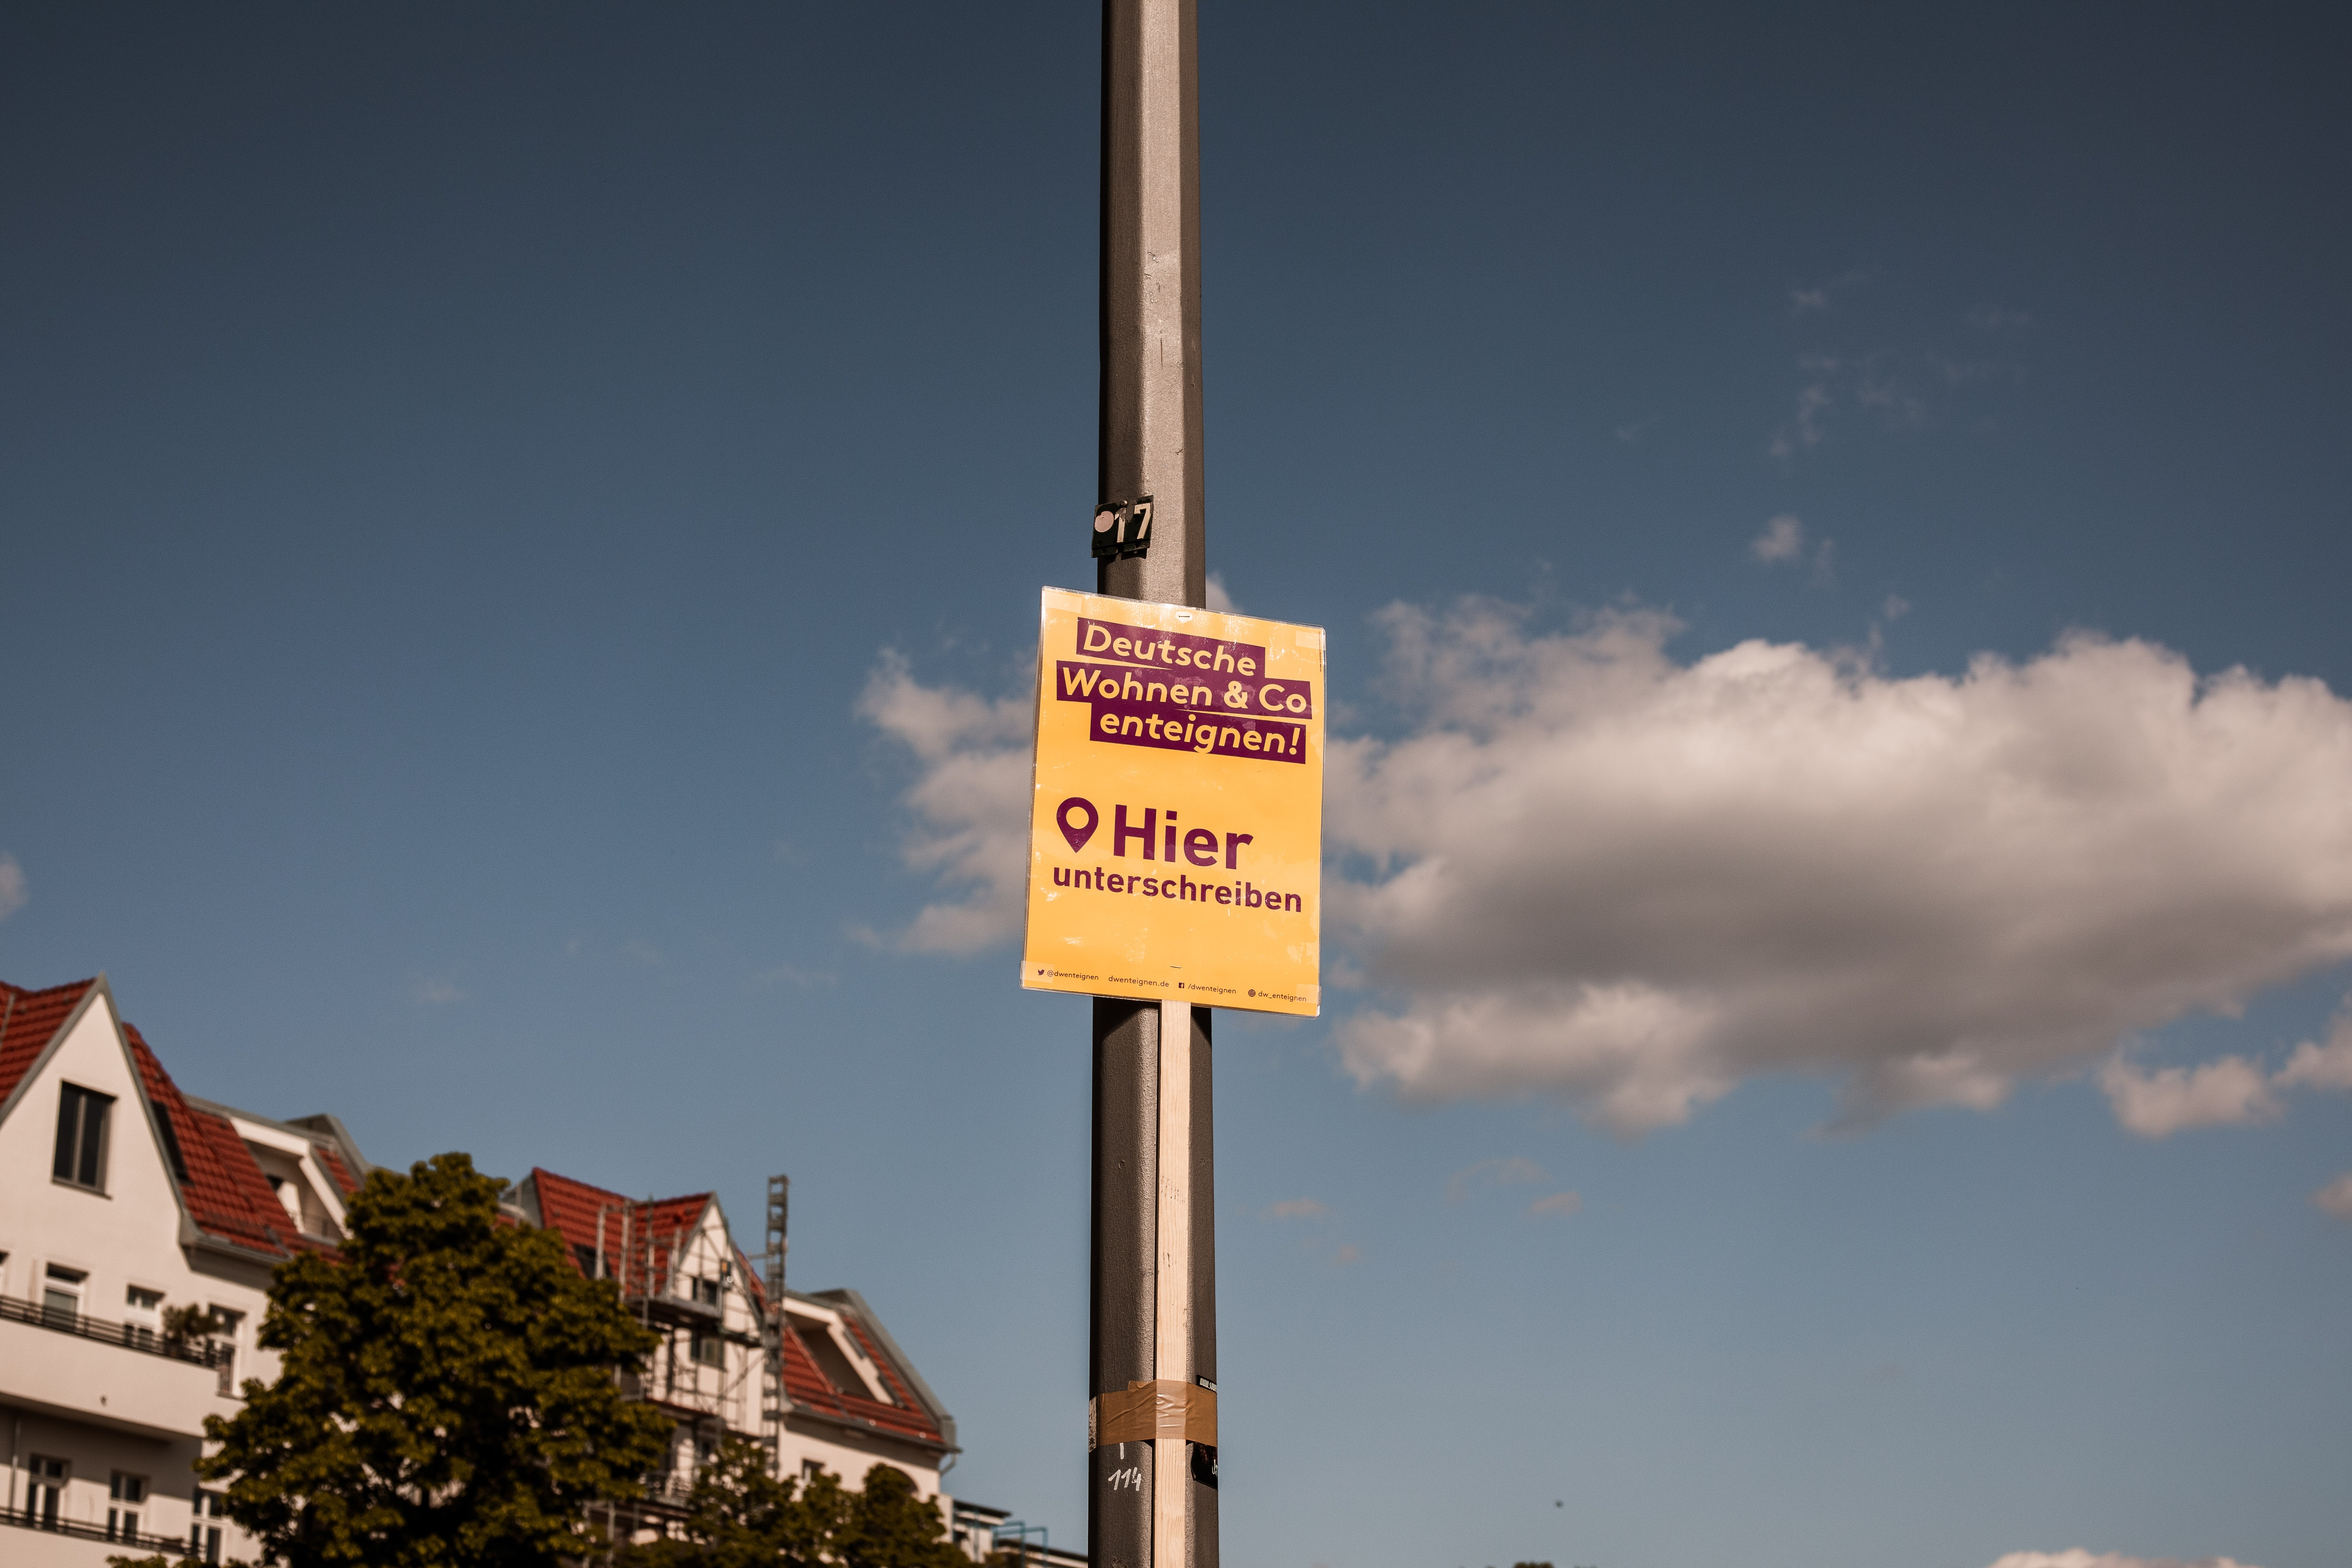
<point x="624" y="1197"/>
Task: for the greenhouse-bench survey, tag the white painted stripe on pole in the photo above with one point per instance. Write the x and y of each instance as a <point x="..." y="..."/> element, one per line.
<point x="1172" y="1315"/>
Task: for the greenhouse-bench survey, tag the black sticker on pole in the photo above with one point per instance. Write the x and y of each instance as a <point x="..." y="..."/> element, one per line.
<point x="1123" y="530"/>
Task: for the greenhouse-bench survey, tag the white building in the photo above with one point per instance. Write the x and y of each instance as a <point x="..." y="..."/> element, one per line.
<point x="849" y="1396"/>
<point x="122" y="1200"/>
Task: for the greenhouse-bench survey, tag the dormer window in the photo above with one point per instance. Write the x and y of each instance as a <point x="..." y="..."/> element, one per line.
<point x="850" y="1371"/>
<point x="706" y="1290"/>
<point x="295" y="1186"/>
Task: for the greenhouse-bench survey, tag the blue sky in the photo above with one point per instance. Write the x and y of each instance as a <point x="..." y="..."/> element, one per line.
<point x="472" y="486"/>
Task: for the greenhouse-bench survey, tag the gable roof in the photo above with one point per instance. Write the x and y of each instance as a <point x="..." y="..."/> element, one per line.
<point x="28" y="1021"/>
<point x="226" y="1196"/>
<point x="572" y="1208"/>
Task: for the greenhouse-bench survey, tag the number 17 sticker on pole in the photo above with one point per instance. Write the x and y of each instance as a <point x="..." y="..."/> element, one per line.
<point x="1176" y="818"/>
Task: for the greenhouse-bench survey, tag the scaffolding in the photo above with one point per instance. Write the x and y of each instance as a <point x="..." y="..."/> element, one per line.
<point x="675" y="1279"/>
<point x="775" y="1404"/>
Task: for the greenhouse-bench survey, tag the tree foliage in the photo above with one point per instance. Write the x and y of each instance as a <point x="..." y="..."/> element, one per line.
<point x="448" y="1395"/>
<point x="889" y="1526"/>
<point x="739" y="1516"/>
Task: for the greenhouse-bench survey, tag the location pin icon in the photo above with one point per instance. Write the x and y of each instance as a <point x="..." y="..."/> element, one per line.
<point x="1077" y="836"/>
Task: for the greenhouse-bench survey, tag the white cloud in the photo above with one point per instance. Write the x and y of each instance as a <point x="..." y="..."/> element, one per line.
<point x="2078" y="1558"/>
<point x="13" y="893"/>
<point x="1896" y="389"/>
<point x="1805" y="431"/>
<point x="1219" y="599"/>
<point x="1560" y="1203"/>
<point x="435" y="993"/>
<point x="1598" y="874"/>
<point x="2335" y="1197"/>
<point x="2229" y="1093"/>
<point x="1297" y="1208"/>
<point x="1585" y="870"/>
<point x="971" y="800"/>
<point x="1783" y="538"/>
<point x="1351" y="1253"/>
<point x="2314" y="1066"/>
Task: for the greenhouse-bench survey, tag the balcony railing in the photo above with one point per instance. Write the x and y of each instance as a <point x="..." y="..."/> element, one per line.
<point x="174" y="1547"/>
<point x="131" y="1336"/>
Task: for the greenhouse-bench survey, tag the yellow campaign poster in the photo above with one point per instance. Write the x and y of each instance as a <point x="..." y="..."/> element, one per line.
<point x="1176" y="820"/>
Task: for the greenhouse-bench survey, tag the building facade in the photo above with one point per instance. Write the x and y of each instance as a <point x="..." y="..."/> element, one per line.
<point x="848" y="1398"/>
<point x="124" y="1205"/>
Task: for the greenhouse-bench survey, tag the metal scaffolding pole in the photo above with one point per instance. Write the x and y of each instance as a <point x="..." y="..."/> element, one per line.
<point x="1153" y="1307"/>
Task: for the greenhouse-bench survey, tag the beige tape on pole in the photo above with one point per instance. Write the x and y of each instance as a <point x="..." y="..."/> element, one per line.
<point x="1161" y="1407"/>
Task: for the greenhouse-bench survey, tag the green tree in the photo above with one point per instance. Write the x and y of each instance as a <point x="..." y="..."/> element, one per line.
<point x="449" y="1397"/>
<point x="739" y="1516"/>
<point x="889" y="1526"/>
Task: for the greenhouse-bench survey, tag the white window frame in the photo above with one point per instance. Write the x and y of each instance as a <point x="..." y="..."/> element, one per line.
<point x="145" y="1322"/>
<point x="233" y="1339"/>
<point x="204" y="1540"/>
<point x="52" y="1483"/>
<point x="61" y="1278"/>
<point x="127" y="1510"/>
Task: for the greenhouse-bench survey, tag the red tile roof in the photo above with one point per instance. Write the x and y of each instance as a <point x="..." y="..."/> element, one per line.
<point x="227" y="1193"/>
<point x="28" y="1021"/>
<point x="907" y="1406"/>
<point x="572" y="1208"/>
<point x="805" y="1384"/>
<point x="333" y="1163"/>
<point x="575" y="1210"/>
